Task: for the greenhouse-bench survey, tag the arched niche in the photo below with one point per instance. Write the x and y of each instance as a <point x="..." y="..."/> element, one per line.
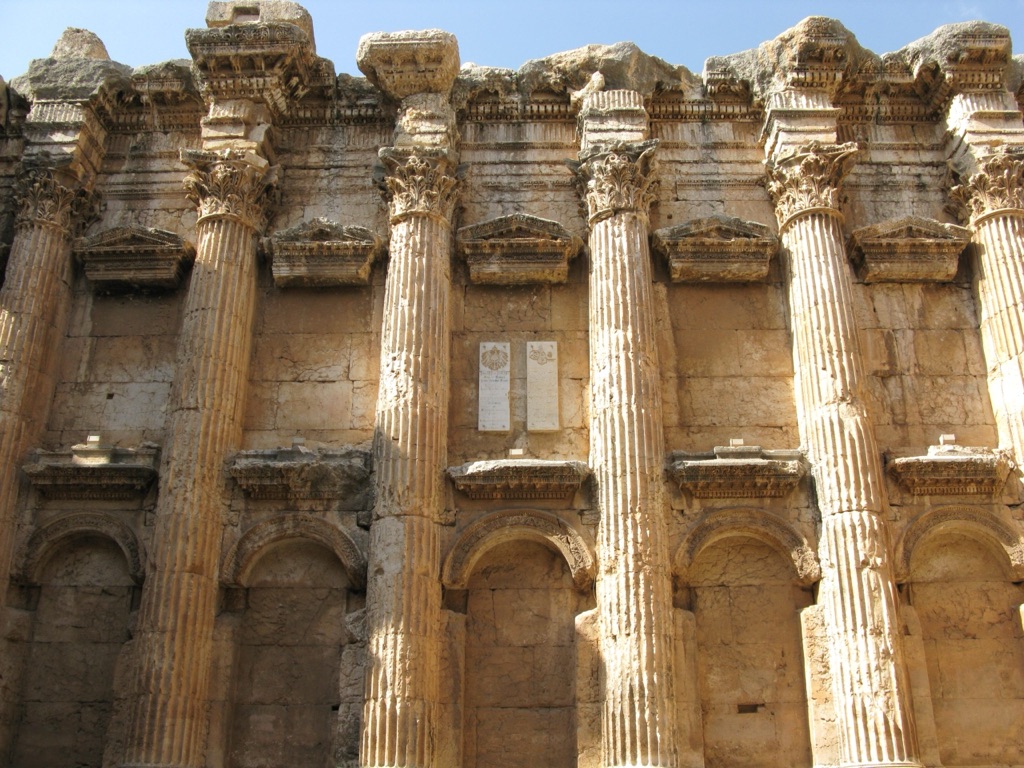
<point x="57" y="532"/>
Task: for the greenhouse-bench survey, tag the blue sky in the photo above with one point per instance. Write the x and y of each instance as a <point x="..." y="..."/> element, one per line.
<point x="499" y="33"/>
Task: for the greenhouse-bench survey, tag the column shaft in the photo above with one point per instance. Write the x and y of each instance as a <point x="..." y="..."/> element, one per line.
<point x="410" y="455"/>
<point x="168" y="722"/>
<point x="870" y="688"/>
<point x="634" y="598"/>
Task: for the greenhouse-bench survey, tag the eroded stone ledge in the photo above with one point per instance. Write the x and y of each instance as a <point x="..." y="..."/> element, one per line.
<point x="519" y="478"/>
<point x="717" y="249"/>
<point x="92" y="470"/>
<point x="737" y="472"/>
<point x="298" y="472"/>
<point x="908" y="249"/>
<point x="951" y="470"/>
<point x="321" y="253"/>
<point x="517" y="249"/>
<point x="134" y="258"/>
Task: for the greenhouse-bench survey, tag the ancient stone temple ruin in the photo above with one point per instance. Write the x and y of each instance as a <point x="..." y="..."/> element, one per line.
<point x="595" y="414"/>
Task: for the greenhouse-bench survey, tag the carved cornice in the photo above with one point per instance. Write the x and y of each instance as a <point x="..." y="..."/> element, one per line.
<point x="999" y="186"/>
<point x="737" y="472"/>
<point x="618" y="178"/>
<point x="909" y="249"/>
<point x="321" y="253"/>
<point x="719" y="249"/>
<point x="405" y="63"/>
<point x="419" y="183"/>
<point x="300" y="473"/>
<point x="126" y="258"/>
<point x="517" y="249"/>
<point x="43" y="200"/>
<point x="951" y="470"/>
<point x="806" y="179"/>
<point x="519" y="478"/>
<point x="230" y="184"/>
<point x="94" y="471"/>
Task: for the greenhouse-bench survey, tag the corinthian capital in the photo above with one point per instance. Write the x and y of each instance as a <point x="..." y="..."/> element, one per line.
<point x="230" y="184"/>
<point x="617" y="178"/>
<point x="807" y="178"/>
<point x="419" y="182"/>
<point x="998" y="186"/>
<point x="42" y="199"/>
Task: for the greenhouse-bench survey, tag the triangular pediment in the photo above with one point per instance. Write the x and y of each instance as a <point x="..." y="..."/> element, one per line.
<point x="326" y="231"/>
<point x="516" y="226"/>
<point x="910" y="228"/>
<point x="715" y="228"/>
<point x="132" y="238"/>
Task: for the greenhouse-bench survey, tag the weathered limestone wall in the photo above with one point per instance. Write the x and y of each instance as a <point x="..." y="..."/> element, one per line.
<point x="266" y="500"/>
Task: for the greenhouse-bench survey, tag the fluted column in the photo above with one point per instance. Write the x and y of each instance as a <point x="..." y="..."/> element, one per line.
<point x="634" y="600"/>
<point x="168" y="721"/>
<point x="869" y="683"/>
<point x="993" y="199"/>
<point x="34" y="305"/>
<point x="410" y="454"/>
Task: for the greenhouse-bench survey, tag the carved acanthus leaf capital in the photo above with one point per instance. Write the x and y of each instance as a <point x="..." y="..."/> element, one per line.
<point x="618" y="178"/>
<point x="998" y="186"/>
<point x="230" y="184"/>
<point x="419" y="183"/>
<point x="808" y="178"/>
<point x="42" y="199"/>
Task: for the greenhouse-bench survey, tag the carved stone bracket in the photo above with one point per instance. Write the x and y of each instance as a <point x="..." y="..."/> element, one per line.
<point x="126" y="258"/>
<point x="951" y="470"/>
<point x="406" y="63"/>
<point x="321" y="253"/>
<point x="718" y="249"/>
<point x="300" y="473"/>
<point x="998" y="186"/>
<point x="807" y="178"/>
<point x="617" y="178"/>
<point x="517" y="250"/>
<point x="910" y="249"/>
<point x="232" y="184"/>
<point x="94" y="471"/>
<point x="737" y="472"/>
<point x="519" y="478"/>
<point x="43" y="199"/>
<point x="419" y="182"/>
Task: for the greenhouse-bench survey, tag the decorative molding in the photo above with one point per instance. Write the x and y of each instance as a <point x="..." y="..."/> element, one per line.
<point x="126" y="258"/>
<point x="300" y="473"/>
<point x="754" y="523"/>
<point x="94" y="471"/>
<point x="43" y="200"/>
<point x="406" y="63"/>
<point x="243" y="555"/>
<point x="807" y="178"/>
<point x="322" y="253"/>
<point x="518" y="249"/>
<point x="951" y="470"/>
<point x="231" y="184"/>
<point x="519" y="478"/>
<point x="737" y="472"/>
<point x="717" y="249"/>
<point x="909" y="249"/>
<point x="998" y="186"/>
<point x="617" y="178"/>
<point x="419" y="182"/>
<point x="51" y="534"/>
<point x="517" y="525"/>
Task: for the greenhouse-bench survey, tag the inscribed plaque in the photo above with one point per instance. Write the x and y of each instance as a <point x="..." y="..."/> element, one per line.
<point x="495" y="374"/>
<point x="541" y="386"/>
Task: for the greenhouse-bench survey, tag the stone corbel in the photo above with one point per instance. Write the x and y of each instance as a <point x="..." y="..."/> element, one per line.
<point x="910" y="249"/>
<point x="321" y="253"/>
<point x="718" y="249"/>
<point x="519" y="479"/>
<point x="298" y="473"/>
<point x="517" y="250"/>
<point x="92" y="470"/>
<point x="951" y="470"/>
<point x="737" y="472"/>
<point x="134" y="258"/>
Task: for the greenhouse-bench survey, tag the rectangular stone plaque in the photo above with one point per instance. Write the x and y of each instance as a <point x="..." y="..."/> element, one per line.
<point x="495" y="374"/>
<point x="541" y="386"/>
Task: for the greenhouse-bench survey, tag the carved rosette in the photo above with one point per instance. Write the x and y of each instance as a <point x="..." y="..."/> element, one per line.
<point x="419" y="183"/>
<point x="998" y="187"/>
<point x="230" y="184"/>
<point x="806" y="179"/>
<point x="42" y="200"/>
<point x="618" y="178"/>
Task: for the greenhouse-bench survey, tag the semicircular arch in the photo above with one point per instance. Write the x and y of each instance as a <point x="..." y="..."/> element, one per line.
<point x="54" y="533"/>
